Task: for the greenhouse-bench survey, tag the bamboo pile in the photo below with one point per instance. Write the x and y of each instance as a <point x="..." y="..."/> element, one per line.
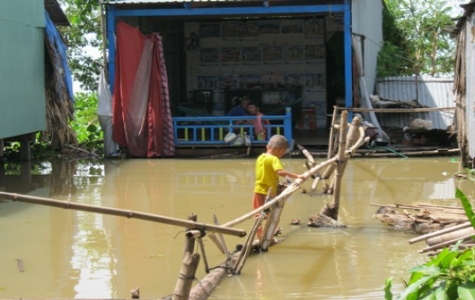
<point x="422" y="218"/>
<point x="436" y="241"/>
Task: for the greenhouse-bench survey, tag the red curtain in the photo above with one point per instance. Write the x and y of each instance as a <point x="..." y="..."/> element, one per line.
<point x="142" y="119"/>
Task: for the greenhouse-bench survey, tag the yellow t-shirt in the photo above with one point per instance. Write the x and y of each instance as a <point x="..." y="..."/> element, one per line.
<point x="267" y="166"/>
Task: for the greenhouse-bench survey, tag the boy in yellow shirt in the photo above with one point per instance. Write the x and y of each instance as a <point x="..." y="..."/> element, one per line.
<point x="268" y="170"/>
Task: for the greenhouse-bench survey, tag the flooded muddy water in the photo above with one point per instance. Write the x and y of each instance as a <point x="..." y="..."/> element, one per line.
<point x="49" y="252"/>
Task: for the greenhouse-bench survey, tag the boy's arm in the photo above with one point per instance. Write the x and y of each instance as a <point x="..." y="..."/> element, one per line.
<point x="284" y="173"/>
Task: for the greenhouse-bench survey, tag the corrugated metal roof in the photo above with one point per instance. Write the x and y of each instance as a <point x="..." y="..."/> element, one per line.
<point x="428" y="91"/>
<point x="56" y="13"/>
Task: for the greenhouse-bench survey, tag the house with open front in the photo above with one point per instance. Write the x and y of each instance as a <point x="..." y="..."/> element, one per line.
<point x="292" y="58"/>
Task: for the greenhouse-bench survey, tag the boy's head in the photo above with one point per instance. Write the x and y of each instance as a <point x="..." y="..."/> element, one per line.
<point x="277" y="145"/>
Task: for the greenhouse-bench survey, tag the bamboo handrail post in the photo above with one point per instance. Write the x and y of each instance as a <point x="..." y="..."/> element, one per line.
<point x="124" y="213"/>
<point x="221" y="238"/>
<point x="330" y="139"/>
<point x="186" y="276"/>
<point x="341" y="157"/>
<point x="215" y="240"/>
<point x="329" y="171"/>
<point x="247" y="245"/>
<point x="271" y="226"/>
<point x="191" y="234"/>
<point x="203" y="253"/>
<point x="307" y="154"/>
<point x="315" y="183"/>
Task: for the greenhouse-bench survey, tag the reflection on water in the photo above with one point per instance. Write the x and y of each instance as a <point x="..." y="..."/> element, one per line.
<point x="74" y="254"/>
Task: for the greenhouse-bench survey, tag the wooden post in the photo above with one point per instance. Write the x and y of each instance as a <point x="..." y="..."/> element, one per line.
<point x="186" y="276"/>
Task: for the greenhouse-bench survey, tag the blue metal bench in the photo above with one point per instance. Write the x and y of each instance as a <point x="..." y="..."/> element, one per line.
<point x="211" y="130"/>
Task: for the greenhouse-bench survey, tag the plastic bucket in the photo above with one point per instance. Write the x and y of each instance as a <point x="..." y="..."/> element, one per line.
<point x="230" y="137"/>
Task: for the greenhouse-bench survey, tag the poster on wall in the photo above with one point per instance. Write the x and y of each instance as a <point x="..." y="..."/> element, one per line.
<point x="251" y="54"/>
<point x="272" y="54"/>
<point x="269" y="27"/>
<point x="209" y="30"/>
<point x="293" y="54"/>
<point x="314" y="28"/>
<point x="209" y="57"/>
<point x="230" y="56"/>
<point x="315" y="99"/>
<point x="314" y="53"/>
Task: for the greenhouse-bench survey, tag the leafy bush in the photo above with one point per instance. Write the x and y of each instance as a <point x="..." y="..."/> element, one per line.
<point x="86" y="124"/>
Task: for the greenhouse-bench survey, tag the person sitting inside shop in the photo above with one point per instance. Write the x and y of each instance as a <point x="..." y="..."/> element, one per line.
<point x="258" y="122"/>
<point x="239" y="110"/>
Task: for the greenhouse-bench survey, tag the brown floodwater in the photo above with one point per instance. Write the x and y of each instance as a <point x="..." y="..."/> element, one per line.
<point x="49" y="252"/>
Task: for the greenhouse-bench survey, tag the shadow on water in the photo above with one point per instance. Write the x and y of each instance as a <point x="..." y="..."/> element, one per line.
<point x="75" y="254"/>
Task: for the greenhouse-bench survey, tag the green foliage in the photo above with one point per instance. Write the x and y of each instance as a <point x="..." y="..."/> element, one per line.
<point x="83" y="34"/>
<point x="415" y="38"/>
<point x="467" y="207"/>
<point x="391" y="61"/>
<point x="448" y="275"/>
<point x="86" y="124"/>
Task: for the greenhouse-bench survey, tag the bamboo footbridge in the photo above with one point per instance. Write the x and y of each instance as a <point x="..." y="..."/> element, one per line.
<point x="350" y="137"/>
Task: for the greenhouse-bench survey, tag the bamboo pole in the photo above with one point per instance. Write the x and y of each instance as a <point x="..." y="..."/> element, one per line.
<point x="397" y="110"/>
<point x="419" y="206"/>
<point x="190" y="234"/>
<point x="247" y="245"/>
<point x="330" y="139"/>
<point x="203" y="253"/>
<point x="307" y="155"/>
<point x="221" y="238"/>
<point x="315" y="183"/>
<point x="186" y="276"/>
<point x="124" y="213"/>
<point x="351" y="145"/>
<point x="444" y="244"/>
<point x="439" y="232"/>
<point x="340" y="168"/>
<point x="453" y="235"/>
<point x="271" y="225"/>
<point x="215" y="240"/>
